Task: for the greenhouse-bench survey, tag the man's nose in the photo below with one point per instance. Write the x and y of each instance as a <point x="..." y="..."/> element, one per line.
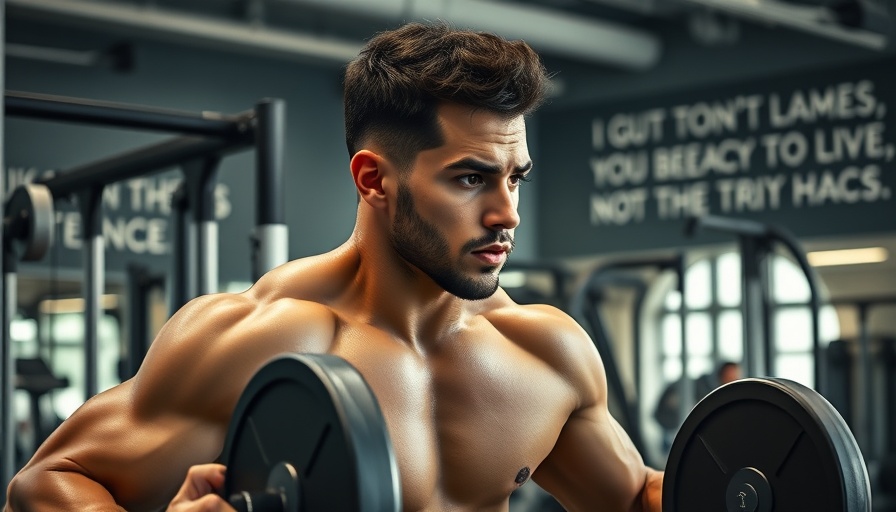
<point x="502" y="211"/>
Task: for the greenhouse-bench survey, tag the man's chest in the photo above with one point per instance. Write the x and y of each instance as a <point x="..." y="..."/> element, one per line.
<point x="469" y="421"/>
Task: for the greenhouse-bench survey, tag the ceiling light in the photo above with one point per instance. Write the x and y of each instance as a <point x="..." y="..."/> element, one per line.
<point x="847" y="256"/>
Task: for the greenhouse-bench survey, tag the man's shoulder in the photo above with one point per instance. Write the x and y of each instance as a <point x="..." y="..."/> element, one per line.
<point x="314" y="278"/>
<point x="552" y="336"/>
<point x="534" y="322"/>
<point x="229" y="334"/>
<point x="227" y="309"/>
<point x="228" y="322"/>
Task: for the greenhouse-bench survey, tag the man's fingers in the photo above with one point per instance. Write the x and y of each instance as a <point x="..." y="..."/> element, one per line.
<point x="207" y="503"/>
<point x="199" y="488"/>
<point x="211" y="503"/>
<point x="203" y="479"/>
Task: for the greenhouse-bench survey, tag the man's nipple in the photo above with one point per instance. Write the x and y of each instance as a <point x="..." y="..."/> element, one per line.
<point x="522" y="476"/>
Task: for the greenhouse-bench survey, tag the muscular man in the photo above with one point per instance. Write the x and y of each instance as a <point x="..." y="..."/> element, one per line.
<point x="477" y="391"/>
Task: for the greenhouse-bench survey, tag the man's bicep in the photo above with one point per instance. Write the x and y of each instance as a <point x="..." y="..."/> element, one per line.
<point x="109" y="450"/>
<point x="594" y="465"/>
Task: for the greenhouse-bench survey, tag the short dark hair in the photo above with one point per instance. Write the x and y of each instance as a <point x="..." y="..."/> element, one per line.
<point x="393" y="88"/>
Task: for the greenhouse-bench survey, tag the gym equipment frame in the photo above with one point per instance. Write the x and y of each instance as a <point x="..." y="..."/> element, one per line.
<point x="204" y="138"/>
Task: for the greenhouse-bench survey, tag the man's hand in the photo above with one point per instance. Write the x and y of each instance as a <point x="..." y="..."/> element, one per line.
<point x="652" y="496"/>
<point x="199" y="491"/>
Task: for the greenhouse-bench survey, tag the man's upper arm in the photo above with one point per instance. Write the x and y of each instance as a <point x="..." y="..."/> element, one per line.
<point x="593" y="465"/>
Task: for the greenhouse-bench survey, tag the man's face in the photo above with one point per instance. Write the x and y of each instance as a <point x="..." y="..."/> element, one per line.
<point x="456" y="209"/>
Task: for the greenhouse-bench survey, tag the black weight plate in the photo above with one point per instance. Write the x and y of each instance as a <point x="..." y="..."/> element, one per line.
<point x="765" y="444"/>
<point x="317" y="413"/>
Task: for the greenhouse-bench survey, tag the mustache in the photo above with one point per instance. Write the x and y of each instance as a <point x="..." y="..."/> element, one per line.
<point x="498" y="237"/>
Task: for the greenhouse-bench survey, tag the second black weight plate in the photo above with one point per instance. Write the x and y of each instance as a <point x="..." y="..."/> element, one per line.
<point x="318" y="414"/>
<point x="762" y="445"/>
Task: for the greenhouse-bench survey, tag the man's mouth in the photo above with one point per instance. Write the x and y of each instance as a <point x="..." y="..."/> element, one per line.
<point x="493" y="255"/>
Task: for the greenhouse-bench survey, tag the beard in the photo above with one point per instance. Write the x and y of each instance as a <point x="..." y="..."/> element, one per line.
<point x="423" y="246"/>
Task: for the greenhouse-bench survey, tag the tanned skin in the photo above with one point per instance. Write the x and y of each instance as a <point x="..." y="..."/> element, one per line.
<point x="473" y="391"/>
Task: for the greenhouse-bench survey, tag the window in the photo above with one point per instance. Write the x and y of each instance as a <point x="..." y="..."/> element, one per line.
<point x="714" y="324"/>
<point x="66" y="358"/>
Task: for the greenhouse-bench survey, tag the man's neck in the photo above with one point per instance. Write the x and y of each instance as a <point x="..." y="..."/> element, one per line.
<point x="398" y="297"/>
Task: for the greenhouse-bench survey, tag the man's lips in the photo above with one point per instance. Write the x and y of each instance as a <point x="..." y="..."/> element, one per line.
<point x="493" y="254"/>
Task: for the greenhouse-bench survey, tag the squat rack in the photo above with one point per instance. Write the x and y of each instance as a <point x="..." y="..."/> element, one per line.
<point x="205" y="138"/>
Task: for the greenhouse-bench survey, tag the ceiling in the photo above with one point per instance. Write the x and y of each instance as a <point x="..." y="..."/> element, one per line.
<point x="615" y="33"/>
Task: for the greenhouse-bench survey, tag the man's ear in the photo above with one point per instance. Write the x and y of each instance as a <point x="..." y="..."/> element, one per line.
<point x="368" y="171"/>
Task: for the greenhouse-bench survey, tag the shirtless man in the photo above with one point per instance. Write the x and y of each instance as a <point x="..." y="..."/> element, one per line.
<point x="476" y="390"/>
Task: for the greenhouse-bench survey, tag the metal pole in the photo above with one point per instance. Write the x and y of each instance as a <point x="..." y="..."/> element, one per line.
<point x="815" y="309"/>
<point x="751" y="283"/>
<point x="183" y="274"/>
<point x="201" y="179"/>
<point x="888" y="350"/>
<point x="90" y="204"/>
<point x="271" y="247"/>
<point x="763" y="251"/>
<point x="7" y="447"/>
<point x="866" y="390"/>
<point x="139" y="162"/>
<point x="139" y="283"/>
<point x="107" y="113"/>
<point x="686" y="385"/>
<point x="7" y="372"/>
<point x="640" y="294"/>
<point x="208" y="257"/>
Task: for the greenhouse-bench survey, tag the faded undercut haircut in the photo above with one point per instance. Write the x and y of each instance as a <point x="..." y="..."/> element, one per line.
<point x="394" y="87"/>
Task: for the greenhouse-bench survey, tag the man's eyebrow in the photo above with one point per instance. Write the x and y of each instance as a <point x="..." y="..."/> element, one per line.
<point x="484" y="167"/>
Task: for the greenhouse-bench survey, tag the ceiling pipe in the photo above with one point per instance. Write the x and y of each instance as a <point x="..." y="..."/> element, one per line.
<point x="645" y="7"/>
<point x="811" y="19"/>
<point x="169" y="26"/>
<point x="549" y="31"/>
<point x="119" y="57"/>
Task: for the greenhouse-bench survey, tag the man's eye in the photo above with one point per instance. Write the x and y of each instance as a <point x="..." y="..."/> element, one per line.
<point x="516" y="179"/>
<point x="471" y="180"/>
